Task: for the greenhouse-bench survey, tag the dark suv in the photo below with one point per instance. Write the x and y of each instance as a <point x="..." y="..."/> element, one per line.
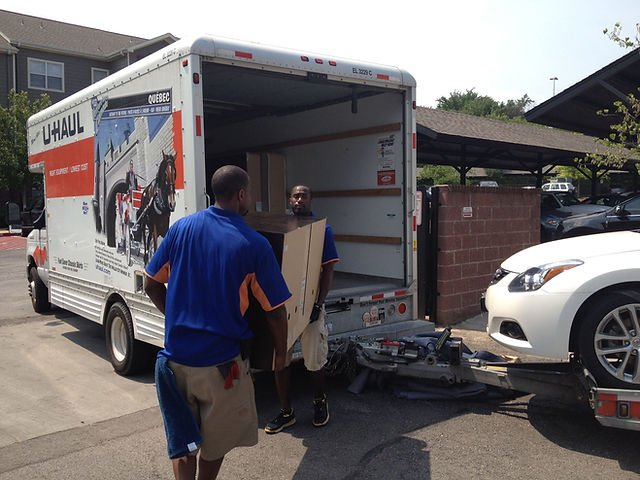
<point x="624" y="216"/>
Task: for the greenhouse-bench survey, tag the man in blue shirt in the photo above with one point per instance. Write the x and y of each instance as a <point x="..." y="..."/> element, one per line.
<point x="211" y="261"/>
<point x="314" y="339"/>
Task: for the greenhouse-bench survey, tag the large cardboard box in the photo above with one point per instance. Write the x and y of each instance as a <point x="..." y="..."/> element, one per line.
<point x="297" y="243"/>
<point x="268" y="173"/>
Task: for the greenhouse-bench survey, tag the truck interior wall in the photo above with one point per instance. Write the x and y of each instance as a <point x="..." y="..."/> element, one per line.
<point x="374" y="111"/>
<point x="332" y="165"/>
<point x="343" y="166"/>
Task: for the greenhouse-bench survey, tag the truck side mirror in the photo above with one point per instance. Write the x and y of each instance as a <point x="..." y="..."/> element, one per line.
<point x="40" y="222"/>
<point x="13" y="213"/>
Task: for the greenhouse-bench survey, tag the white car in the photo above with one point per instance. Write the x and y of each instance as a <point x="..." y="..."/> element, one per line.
<point x="558" y="187"/>
<point x="579" y="295"/>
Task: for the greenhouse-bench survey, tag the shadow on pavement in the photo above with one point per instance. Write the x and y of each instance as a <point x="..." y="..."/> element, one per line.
<point x="573" y="426"/>
<point x="345" y="450"/>
<point x="340" y="450"/>
<point x="90" y="336"/>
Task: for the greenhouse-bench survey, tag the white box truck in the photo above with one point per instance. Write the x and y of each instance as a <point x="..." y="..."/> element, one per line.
<point x="126" y="157"/>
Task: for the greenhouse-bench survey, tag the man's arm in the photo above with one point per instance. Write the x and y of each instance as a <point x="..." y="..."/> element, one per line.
<point x="326" y="277"/>
<point x="277" y="320"/>
<point x="157" y="292"/>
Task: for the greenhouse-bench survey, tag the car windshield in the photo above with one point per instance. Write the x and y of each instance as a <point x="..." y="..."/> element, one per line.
<point x="567" y="199"/>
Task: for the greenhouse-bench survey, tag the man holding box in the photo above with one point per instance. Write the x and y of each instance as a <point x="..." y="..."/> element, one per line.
<point x="314" y="339"/>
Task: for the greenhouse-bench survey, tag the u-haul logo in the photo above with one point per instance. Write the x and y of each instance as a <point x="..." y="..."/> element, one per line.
<point x="65" y="127"/>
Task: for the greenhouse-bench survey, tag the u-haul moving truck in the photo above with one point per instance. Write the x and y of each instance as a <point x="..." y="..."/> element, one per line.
<point x="126" y="157"/>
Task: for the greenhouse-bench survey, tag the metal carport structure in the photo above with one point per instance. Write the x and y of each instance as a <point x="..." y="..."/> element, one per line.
<point x="576" y="107"/>
<point x="466" y="141"/>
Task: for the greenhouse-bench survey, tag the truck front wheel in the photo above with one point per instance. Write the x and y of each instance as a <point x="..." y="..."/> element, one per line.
<point x="127" y="355"/>
<point x="39" y="292"/>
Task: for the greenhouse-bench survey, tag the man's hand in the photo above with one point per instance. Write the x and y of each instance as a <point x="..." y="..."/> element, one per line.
<point x="315" y="313"/>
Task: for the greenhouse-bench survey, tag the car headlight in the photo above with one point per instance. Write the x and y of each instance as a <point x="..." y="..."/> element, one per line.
<point x="536" y="277"/>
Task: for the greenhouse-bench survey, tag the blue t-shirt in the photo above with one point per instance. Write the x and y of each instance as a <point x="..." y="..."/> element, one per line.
<point x="213" y="259"/>
<point x="329" y="251"/>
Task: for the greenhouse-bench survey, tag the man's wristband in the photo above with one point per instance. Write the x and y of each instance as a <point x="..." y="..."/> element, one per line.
<point x="315" y="312"/>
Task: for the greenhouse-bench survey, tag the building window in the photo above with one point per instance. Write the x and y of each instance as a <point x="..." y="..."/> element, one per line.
<point x="45" y="75"/>
<point x="98" y="74"/>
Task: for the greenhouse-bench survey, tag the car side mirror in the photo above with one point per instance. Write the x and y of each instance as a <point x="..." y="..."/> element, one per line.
<point x="619" y="210"/>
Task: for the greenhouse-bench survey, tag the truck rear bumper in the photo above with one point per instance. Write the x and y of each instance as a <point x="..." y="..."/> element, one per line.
<point x="395" y="330"/>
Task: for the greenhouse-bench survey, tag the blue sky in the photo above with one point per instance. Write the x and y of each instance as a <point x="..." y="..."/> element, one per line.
<point x="502" y="48"/>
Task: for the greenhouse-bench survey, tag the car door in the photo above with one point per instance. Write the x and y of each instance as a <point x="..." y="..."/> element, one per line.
<point x="625" y="216"/>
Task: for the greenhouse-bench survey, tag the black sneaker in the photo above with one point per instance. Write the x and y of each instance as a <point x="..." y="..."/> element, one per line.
<point x="282" y="421"/>
<point x="320" y="411"/>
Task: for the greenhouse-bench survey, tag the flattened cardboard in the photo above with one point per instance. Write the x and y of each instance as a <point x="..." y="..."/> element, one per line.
<point x="297" y="243"/>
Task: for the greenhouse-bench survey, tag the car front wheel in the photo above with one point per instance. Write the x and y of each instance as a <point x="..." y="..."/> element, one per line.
<point x="609" y="340"/>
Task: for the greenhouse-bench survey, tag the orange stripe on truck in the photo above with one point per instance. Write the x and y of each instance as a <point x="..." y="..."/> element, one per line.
<point x="69" y="169"/>
<point x="177" y="146"/>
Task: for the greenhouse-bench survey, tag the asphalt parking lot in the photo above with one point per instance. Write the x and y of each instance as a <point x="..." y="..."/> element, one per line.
<point x="67" y="415"/>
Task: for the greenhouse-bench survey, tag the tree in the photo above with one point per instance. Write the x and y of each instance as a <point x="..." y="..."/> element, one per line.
<point x="14" y="172"/>
<point x="473" y="103"/>
<point x="565" y="171"/>
<point x="625" y="135"/>
<point x="439" y="175"/>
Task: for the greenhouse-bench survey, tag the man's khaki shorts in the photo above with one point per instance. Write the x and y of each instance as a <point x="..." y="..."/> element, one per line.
<point x="227" y="418"/>
<point x="314" y="344"/>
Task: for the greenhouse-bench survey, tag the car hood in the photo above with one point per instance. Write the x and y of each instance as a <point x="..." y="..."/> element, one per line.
<point x="580" y="248"/>
<point x="573" y="211"/>
<point x="584" y="209"/>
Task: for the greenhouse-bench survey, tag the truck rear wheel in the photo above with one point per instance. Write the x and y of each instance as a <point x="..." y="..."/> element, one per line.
<point x="39" y="292"/>
<point x="127" y="355"/>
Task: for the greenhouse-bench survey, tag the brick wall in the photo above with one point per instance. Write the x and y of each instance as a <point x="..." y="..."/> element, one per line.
<point x="477" y="229"/>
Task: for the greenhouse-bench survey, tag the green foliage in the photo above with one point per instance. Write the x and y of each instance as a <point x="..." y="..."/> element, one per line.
<point x="624" y="139"/>
<point x="472" y="103"/>
<point x="14" y="173"/>
<point x="439" y="175"/>
<point x="568" y="172"/>
<point x="616" y="35"/>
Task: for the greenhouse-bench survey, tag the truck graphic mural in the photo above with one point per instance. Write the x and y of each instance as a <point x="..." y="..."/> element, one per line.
<point x="135" y="173"/>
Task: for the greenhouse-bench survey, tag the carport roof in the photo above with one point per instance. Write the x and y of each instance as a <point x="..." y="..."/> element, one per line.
<point x="452" y="138"/>
<point x="575" y="108"/>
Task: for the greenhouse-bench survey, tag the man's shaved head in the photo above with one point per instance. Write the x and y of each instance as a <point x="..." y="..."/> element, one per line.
<point x="227" y="181"/>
